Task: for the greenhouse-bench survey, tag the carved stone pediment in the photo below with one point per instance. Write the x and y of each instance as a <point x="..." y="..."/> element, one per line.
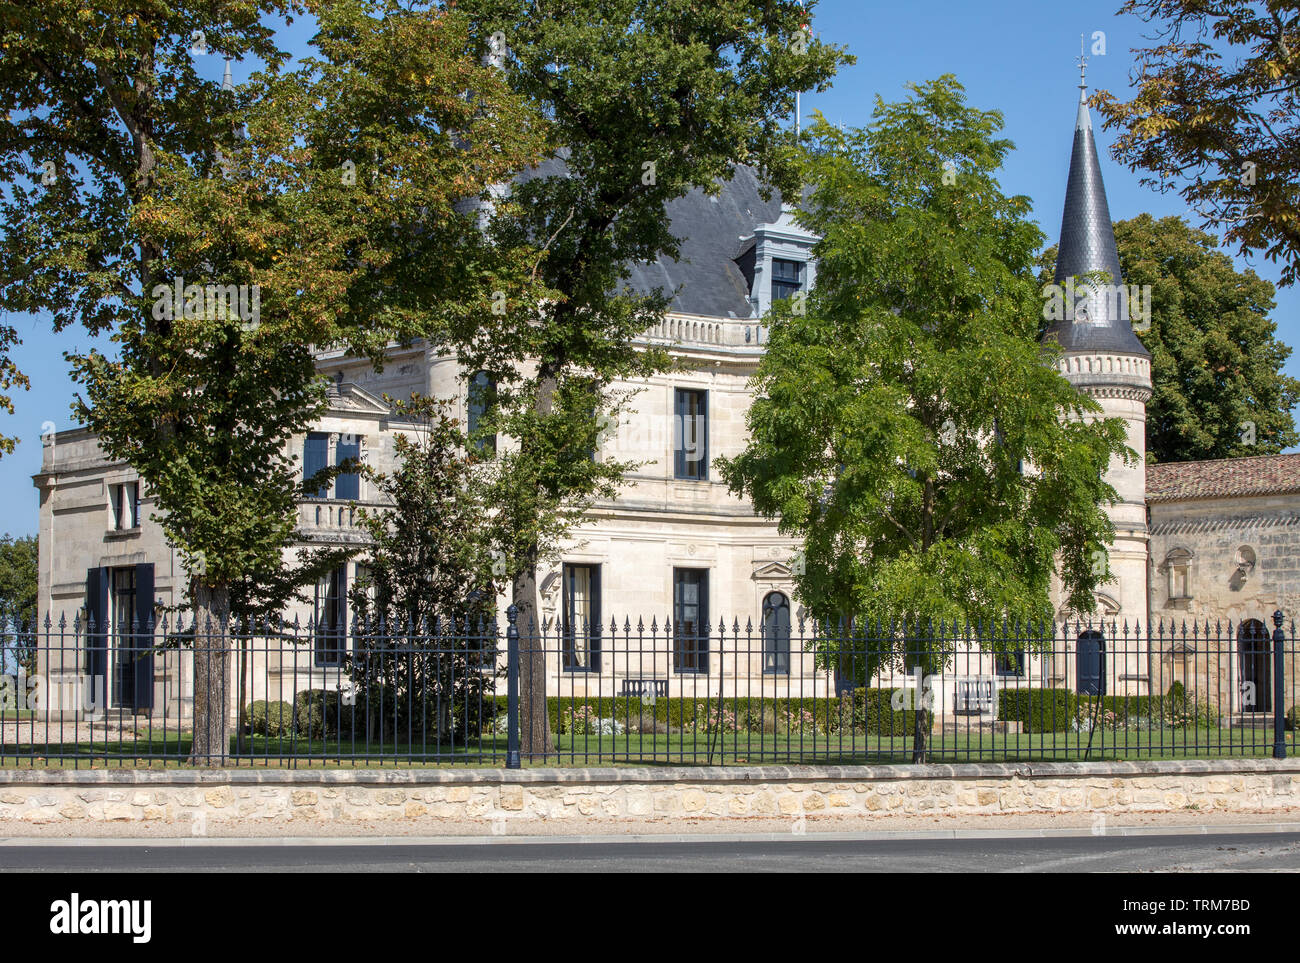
<point x="1107" y="608"/>
<point x="771" y="572"/>
<point x="350" y="398"/>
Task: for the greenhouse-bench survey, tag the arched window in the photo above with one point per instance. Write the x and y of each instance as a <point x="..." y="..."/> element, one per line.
<point x="1256" y="678"/>
<point x="776" y="634"/>
<point x="1178" y="565"/>
<point x="482" y="396"/>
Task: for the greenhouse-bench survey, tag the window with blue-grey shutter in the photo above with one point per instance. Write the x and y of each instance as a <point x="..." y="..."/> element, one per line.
<point x="315" y="458"/>
<point x="119" y="648"/>
<point x="348" y="485"/>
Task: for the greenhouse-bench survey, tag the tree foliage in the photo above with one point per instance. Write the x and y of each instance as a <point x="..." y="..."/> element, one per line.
<point x="423" y="611"/>
<point x="90" y="95"/>
<point x="647" y="99"/>
<point x="909" y="427"/>
<point x="1216" y="364"/>
<point x="1214" y="115"/>
<point x="331" y="197"/>
<point x="18" y="578"/>
<point x="19" y="573"/>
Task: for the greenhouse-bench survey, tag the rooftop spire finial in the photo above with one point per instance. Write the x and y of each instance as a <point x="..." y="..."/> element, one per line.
<point x="1083" y="68"/>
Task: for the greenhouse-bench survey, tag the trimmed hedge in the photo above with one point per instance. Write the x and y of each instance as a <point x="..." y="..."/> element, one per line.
<point x="1038" y="710"/>
<point x="1056" y="710"/>
<point x="263" y="718"/>
<point x="868" y="711"/>
<point x="320" y="713"/>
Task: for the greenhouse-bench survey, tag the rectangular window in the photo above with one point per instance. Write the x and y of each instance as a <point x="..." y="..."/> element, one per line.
<point x="482" y="397"/>
<point x="691" y="434"/>
<point x="1010" y="663"/>
<point x="581" y="629"/>
<point x="690" y="620"/>
<point x="330" y="618"/>
<point x="787" y="278"/>
<point x="315" y="458"/>
<point x="124" y="500"/>
<point x="122" y="605"/>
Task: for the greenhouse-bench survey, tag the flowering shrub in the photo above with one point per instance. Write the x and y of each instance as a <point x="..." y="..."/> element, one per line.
<point x="583" y="721"/>
<point x="798" y="721"/>
<point x="1087" y="716"/>
<point x="1176" y="709"/>
<point x="708" y="718"/>
<point x="1192" y="712"/>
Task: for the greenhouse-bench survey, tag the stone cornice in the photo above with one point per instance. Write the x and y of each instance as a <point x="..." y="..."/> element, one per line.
<point x="1128" y="393"/>
<point x="1201" y="525"/>
<point x="638" y="775"/>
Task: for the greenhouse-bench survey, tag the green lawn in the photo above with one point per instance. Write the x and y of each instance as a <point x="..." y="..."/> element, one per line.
<point x="677" y="749"/>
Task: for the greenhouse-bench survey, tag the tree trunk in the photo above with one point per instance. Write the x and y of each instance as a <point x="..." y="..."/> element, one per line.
<point x="534" y="721"/>
<point x="924" y="697"/>
<point x="211" y="674"/>
<point x="242" y="698"/>
<point x="921" y="733"/>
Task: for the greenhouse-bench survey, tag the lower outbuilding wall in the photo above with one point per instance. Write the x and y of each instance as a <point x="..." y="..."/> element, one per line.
<point x="197" y="802"/>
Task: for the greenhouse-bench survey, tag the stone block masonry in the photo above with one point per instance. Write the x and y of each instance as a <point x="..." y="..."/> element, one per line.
<point x="193" y="802"/>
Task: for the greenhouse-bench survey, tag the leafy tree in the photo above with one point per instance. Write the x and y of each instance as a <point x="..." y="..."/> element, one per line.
<point x="648" y="100"/>
<point x="1216" y="364"/>
<point x="1214" y="115"/>
<point x="19" y="567"/>
<point x="330" y="198"/>
<point x="18" y="575"/>
<point x="422" y="611"/>
<point x="10" y="377"/>
<point x="906" y="426"/>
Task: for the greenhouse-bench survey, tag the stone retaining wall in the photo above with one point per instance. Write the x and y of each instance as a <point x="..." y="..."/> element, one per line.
<point x="196" y="801"/>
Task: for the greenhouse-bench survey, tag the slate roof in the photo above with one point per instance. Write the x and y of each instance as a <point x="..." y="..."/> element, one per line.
<point x="1088" y="244"/>
<point x="1223" y="478"/>
<point x="706" y="277"/>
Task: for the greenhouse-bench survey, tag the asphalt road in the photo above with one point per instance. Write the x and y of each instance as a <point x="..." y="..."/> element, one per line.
<point x="1239" y="852"/>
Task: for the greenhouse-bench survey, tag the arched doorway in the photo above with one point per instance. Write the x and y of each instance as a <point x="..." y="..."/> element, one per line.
<point x="1090" y="663"/>
<point x="776" y="634"/>
<point x="1253" y="656"/>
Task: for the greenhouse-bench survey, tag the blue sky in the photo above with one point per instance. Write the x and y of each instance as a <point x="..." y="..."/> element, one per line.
<point x="1016" y="56"/>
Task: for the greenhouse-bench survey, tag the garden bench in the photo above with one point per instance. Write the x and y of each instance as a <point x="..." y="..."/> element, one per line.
<point x="637" y="688"/>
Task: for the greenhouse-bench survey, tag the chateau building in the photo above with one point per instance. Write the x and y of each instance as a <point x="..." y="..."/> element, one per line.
<point x="1209" y="540"/>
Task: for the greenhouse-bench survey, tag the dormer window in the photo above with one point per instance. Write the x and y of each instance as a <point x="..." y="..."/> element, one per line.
<point x="787" y="278"/>
<point x="777" y="262"/>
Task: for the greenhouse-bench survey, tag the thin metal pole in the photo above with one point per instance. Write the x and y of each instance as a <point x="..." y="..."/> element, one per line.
<point x="512" y="689"/>
<point x="1279" y="703"/>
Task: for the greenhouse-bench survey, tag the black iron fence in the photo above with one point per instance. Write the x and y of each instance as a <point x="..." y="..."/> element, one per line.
<point x="649" y="692"/>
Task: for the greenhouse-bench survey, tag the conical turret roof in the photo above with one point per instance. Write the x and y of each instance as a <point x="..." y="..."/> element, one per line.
<point x="1088" y="246"/>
